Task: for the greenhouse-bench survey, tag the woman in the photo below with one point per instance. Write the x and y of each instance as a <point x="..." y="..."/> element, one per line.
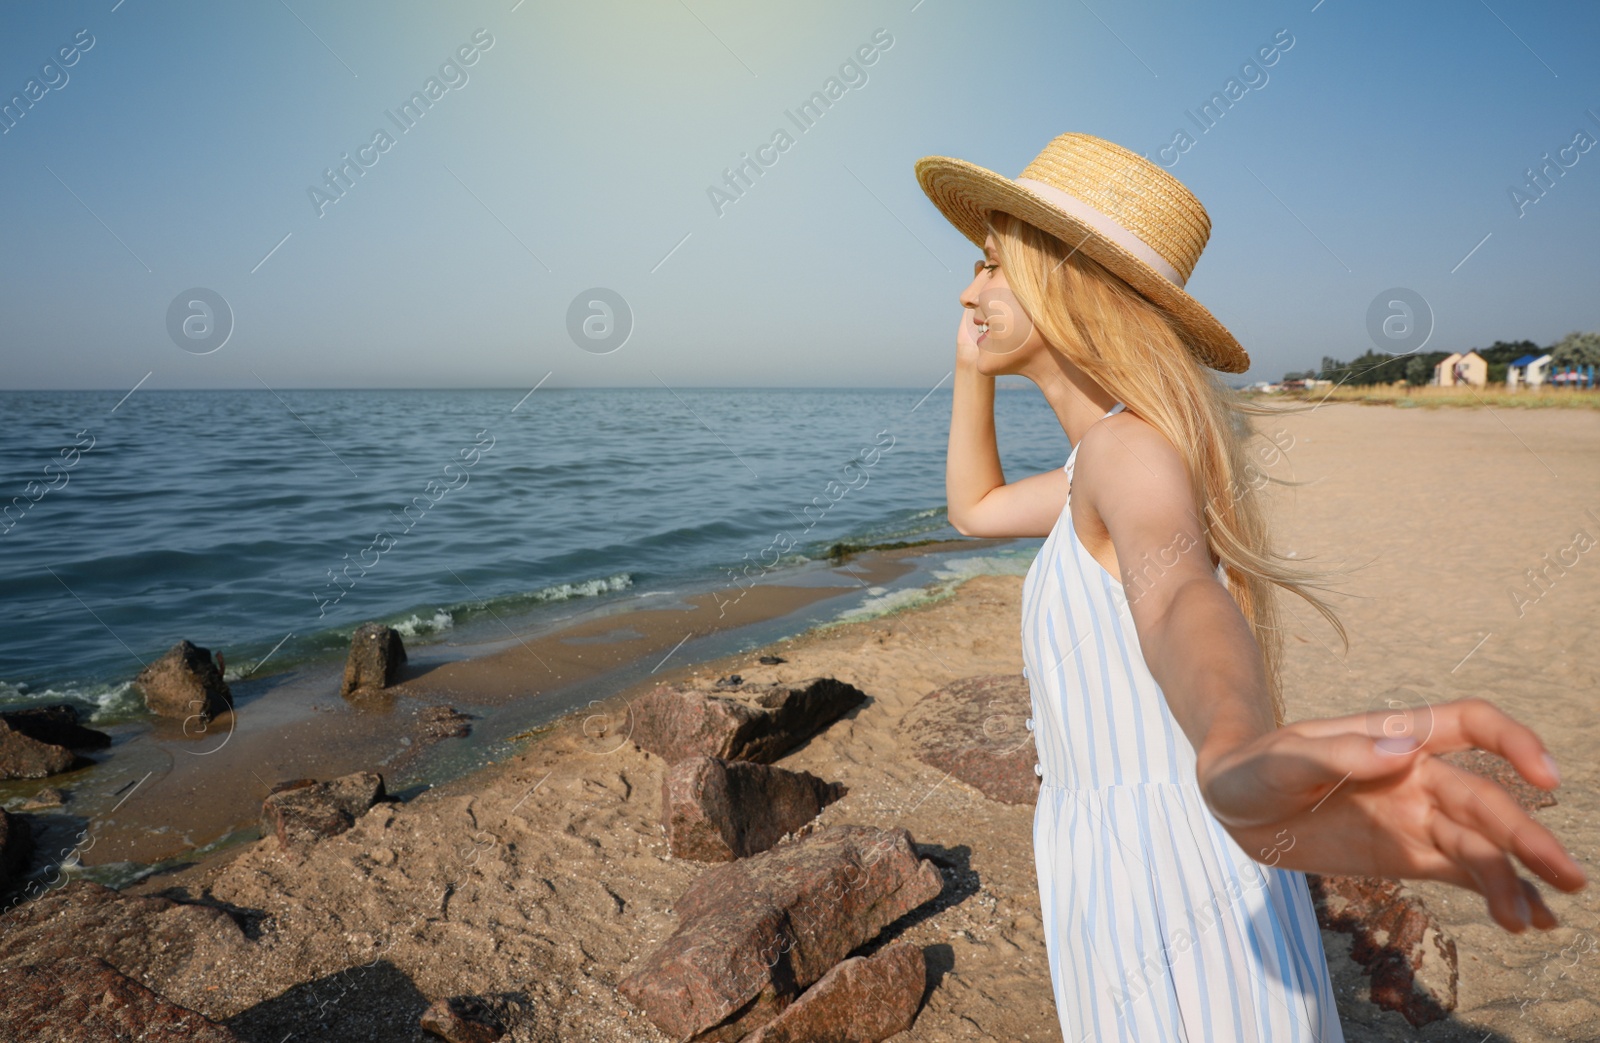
<point x="1177" y="811"/>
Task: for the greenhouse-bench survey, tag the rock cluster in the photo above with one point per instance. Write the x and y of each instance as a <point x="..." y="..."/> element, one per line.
<point x="761" y="937"/>
<point x="84" y="998"/>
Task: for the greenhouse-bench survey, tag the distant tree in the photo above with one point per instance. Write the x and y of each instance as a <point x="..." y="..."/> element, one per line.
<point x="1497" y="372"/>
<point x="1508" y="351"/>
<point x="1300" y="375"/>
<point x="1576" y="349"/>
<point x="1418" y="371"/>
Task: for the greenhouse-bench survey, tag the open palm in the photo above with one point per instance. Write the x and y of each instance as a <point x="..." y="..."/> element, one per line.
<point x="1330" y="796"/>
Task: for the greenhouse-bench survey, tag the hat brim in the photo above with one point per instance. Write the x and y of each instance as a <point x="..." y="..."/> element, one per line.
<point x="966" y="194"/>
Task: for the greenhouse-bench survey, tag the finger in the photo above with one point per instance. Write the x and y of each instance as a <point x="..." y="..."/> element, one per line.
<point x="1490" y="870"/>
<point x="1314" y="767"/>
<point x="1486" y="807"/>
<point x="1467" y="723"/>
<point x="1543" y="918"/>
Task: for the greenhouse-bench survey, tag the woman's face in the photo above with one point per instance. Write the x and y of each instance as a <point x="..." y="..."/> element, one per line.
<point x="1007" y="338"/>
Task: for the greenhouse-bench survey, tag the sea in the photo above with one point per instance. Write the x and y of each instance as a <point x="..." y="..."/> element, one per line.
<point x="270" y="523"/>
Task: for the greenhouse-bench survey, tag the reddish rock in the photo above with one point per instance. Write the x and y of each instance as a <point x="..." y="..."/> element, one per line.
<point x="301" y="812"/>
<point x="176" y="947"/>
<point x="1411" y="960"/>
<point x="1497" y="769"/>
<point x="753" y="933"/>
<point x="82" y="999"/>
<point x="16" y="844"/>
<point x="57" y="725"/>
<point x="376" y="655"/>
<point x="976" y="729"/>
<point x="462" y="1019"/>
<point x="862" y="1000"/>
<point x="716" y="810"/>
<point x="22" y="757"/>
<point x="746" y="722"/>
<point x="185" y="683"/>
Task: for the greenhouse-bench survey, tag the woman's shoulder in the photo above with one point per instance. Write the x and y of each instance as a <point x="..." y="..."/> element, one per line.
<point x="1124" y="449"/>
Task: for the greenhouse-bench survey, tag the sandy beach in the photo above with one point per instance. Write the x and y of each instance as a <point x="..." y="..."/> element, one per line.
<point x="546" y="876"/>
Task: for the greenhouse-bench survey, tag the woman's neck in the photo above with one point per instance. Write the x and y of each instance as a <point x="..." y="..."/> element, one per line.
<point x="1076" y="399"/>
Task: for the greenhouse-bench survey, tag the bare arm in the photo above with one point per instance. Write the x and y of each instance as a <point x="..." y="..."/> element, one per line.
<point x="980" y="501"/>
<point x="1361" y="794"/>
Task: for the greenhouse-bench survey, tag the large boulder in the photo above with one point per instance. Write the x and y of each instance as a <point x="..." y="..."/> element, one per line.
<point x="302" y="812"/>
<point x="185" y="683"/>
<point x="747" y="722"/>
<point x="376" y="655"/>
<point x="16" y="845"/>
<point x="81" y="999"/>
<point x="176" y="947"/>
<point x="753" y="934"/>
<point x="976" y="729"/>
<point x="1410" y="958"/>
<point x="716" y="810"/>
<point x="864" y="999"/>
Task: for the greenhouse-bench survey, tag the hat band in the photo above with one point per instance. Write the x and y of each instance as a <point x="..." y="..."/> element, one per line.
<point x="1104" y="224"/>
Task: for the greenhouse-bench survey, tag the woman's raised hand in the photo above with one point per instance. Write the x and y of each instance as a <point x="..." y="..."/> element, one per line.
<point x="1367" y="795"/>
<point x="967" y="349"/>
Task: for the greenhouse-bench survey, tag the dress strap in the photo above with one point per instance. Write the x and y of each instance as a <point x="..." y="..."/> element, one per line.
<point x="1072" y="457"/>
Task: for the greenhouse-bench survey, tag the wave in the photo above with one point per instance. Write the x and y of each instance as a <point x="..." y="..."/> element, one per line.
<point x="96" y="703"/>
<point x="949" y="575"/>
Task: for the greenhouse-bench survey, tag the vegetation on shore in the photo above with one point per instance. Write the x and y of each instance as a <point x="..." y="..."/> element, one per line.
<point x="1432" y="397"/>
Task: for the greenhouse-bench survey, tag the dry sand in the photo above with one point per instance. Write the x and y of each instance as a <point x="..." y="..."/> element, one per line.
<point x="547" y="877"/>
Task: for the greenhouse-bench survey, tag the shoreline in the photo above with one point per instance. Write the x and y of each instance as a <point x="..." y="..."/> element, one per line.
<point x="197" y="798"/>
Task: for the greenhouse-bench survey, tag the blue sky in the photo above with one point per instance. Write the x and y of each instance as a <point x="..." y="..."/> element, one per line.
<point x="577" y="151"/>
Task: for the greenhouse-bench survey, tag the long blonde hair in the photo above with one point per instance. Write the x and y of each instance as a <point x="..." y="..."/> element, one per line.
<point x="1131" y="349"/>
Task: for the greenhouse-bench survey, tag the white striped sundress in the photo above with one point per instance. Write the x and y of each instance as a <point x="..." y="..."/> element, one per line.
<point x="1158" y="926"/>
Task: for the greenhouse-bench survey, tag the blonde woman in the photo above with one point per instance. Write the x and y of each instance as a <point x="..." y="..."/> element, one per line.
<point x="1177" y="810"/>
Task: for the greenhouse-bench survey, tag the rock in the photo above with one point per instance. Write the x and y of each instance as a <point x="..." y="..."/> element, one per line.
<point x="975" y="729"/>
<point x="771" y="660"/>
<point x="462" y="1019"/>
<point x="176" y="947"/>
<point x="862" y="1000"/>
<point x="1411" y="960"/>
<point x="732" y="681"/>
<point x="46" y="799"/>
<point x="57" y="726"/>
<point x="750" y="722"/>
<point x="24" y="757"/>
<point x="376" y="653"/>
<point x="753" y="933"/>
<point x="1497" y="769"/>
<point x="444" y="722"/>
<point x="83" y="998"/>
<point x="716" y="810"/>
<point x="16" y="846"/>
<point x="301" y="812"/>
<point x="185" y="683"/>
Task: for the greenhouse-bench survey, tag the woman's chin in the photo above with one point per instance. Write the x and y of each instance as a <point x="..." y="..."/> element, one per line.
<point x="996" y="364"/>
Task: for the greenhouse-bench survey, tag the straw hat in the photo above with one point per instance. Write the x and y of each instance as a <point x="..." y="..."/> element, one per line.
<point x="1114" y="205"/>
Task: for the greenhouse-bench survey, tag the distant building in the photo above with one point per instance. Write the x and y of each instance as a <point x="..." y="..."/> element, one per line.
<point x="1527" y="371"/>
<point x="1455" y="370"/>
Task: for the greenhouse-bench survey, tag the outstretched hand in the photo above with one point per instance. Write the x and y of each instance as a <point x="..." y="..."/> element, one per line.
<point x="1348" y="795"/>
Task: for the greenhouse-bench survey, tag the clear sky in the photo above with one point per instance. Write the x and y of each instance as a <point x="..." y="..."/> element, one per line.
<point x="577" y="149"/>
